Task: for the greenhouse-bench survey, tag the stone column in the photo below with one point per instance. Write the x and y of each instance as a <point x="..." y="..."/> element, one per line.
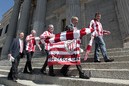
<point x="12" y="29"/>
<point x="72" y="9"/>
<point x="83" y="23"/>
<point x="39" y="19"/>
<point x="24" y="17"/>
<point x="122" y="10"/>
<point x="123" y="17"/>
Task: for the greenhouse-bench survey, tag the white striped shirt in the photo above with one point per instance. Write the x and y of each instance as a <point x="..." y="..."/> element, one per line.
<point x="44" y="36"/>
<point x="97" y="26"/>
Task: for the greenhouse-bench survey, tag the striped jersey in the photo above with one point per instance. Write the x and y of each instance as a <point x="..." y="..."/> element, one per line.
<point x="31" y="44"/>
<point x="44" y="36"/>
<point x="97" y="26"/>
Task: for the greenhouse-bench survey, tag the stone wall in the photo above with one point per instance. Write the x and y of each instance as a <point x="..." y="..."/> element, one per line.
<point x="55" y="13"/>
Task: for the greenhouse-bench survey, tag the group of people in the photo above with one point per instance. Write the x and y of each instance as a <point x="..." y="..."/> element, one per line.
<point x="20" y="47"/>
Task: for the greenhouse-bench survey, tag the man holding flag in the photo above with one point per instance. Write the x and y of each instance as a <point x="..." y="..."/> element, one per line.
<point x="73" y="27"/>
<point x="64" y="48"/>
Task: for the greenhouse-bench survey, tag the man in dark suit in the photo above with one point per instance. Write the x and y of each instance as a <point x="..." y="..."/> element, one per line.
<point x="15" y="53"/>
<point x="64" y="70"/>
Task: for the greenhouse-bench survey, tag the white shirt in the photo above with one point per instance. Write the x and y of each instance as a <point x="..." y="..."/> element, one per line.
<point x="21" y="45"/>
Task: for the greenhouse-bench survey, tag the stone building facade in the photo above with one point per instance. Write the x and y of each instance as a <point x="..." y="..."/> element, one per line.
<point x="4" y="27"/>
<point x="37" y="14"/>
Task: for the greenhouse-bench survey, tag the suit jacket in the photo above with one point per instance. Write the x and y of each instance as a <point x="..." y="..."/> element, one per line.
<point x="15" y="47"/>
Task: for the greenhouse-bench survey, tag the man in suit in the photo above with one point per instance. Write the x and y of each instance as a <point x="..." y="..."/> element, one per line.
<point x="64" y="70"/>
<point x="16" y="52"/>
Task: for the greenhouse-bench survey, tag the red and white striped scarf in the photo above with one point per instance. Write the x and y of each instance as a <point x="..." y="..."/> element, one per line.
<point x="69" y="35"/>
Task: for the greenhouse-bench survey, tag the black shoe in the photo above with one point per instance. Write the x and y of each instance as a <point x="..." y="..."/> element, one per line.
<point x="97" y="61"/>
<point x="30" y="72"/>
<point x="109" y="60"/>
<point x="84" y="76"/>
<point x="9" y="78"/>
<point x="64" y="73"/>
<point x="26" y="72"/>
<point x="43" y="72"/>
<point x="52" y="74"/>
<point x="14" y="80"/>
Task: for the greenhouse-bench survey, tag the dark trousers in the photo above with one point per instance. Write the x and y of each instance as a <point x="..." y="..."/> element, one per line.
<point x="65" y="69"/>
<point x="28" y="62"/>
<point x="45" y="64"/>
<point x="99" y="43"/>
<point x="13" y="74"/>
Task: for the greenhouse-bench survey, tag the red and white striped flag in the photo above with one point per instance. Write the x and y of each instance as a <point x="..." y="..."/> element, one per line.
<point x="65" y="52"/>
<point x="64" y="48"/>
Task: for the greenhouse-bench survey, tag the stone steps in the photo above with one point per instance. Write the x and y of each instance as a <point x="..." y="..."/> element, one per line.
<point x="113" y="54"/>
<point x="119" y="54"/>
<point x="6" y="82"/>
<point x="94" y="73"/>
<point x="102" y="65"/>
<point x="75" y="81"/>
<point x="4" y="72"/>
<point x="40" y="61"/>
<point x="44" y="80"/>
<point x="102" y="74"/>
<point x="117" y="49"/>
<point x="23" y="82"/>
<point x="5" y="67"/>
<point x="90" y="59"/>
<point x="116" y="59"/>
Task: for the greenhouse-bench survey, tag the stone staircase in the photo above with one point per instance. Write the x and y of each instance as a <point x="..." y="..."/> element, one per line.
<point x="102" y="74"/>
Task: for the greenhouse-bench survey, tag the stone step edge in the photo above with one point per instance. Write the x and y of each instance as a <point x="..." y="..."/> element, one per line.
<point x="21" y="82"/>
<point x="96" y="73"/>
<point x="4" y="70"/>
<point x="53" y="79"/>
<point x="110" y="52"/>
<point x="58" y="80"/>
<point x="83" y="63"/>
<point x="6" y="82"/>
